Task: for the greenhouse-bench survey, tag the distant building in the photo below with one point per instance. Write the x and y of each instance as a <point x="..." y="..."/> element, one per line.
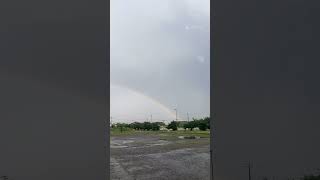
<point x="163" y="128"/>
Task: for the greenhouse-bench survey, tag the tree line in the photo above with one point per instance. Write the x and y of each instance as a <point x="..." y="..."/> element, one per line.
<point x="146" y="126"/>
<point x="203" y="124"/>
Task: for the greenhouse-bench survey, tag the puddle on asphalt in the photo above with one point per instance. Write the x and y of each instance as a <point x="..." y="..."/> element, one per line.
<point x="157" y="143"/>
<point x="188" y="137"/>
<point x="160" y="143"/>
<point x="127" y="141"/>
<point x="123" y="144"/>
<point x="112" y="146"/>
<point x="120" y="143"/>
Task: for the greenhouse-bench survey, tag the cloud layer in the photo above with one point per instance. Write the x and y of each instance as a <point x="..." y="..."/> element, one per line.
<point x="160" y="48"/>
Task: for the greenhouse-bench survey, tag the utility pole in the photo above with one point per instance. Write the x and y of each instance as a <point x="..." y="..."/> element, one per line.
<point x="188" y="116"/>
<point x="151" y="118"/>
<point x="111" y="120"/>
<point x="176" y="113"/>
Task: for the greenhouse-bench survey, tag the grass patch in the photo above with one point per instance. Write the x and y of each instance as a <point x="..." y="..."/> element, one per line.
<point x="123" y="132"/>
<point x="164" y="135"/>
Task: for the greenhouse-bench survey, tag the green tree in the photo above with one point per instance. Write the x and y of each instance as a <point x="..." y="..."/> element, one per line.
<point x="203" y="126"/>
<point x="207" y="121"/>
<point x="192" y="124"/>
<point x="155" y="126"/>
<point x="161" y="123"/>
<point x="185" y="126"/>
<point x="173" y="125"/>
<point x="147" y="126"/>
<point x="137" y="125"/>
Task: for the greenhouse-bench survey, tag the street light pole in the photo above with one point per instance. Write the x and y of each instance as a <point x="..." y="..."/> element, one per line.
<point x="176" y="113"/>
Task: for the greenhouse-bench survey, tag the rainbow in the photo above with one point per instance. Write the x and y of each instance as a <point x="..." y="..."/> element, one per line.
<point x="161" y="106"/>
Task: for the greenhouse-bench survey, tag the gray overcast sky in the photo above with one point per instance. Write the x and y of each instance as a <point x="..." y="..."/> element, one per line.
<point x="160" y="59"/>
